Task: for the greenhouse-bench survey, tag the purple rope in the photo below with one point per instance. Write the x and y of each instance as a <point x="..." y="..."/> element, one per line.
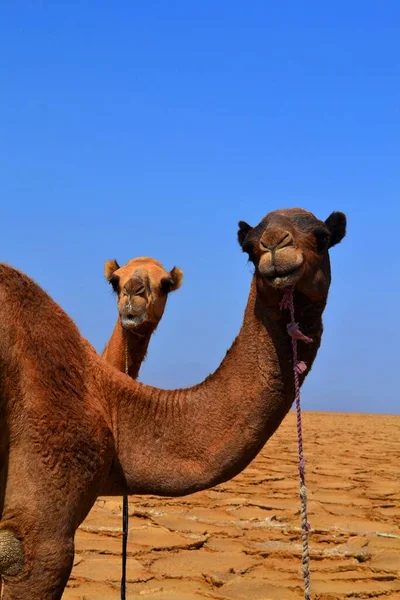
<point x="298" y="368"/>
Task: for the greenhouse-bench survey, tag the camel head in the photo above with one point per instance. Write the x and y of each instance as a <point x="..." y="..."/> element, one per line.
<point x="142" y="287"/>
<point x="291" y="248"/>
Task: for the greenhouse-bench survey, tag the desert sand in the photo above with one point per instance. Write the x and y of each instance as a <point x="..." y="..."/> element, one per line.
<point x="241" y="540"/>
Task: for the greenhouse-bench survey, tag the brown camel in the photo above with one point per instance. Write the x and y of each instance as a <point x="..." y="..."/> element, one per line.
<point x="73" y="427"/>
<point x="142" y="287"/>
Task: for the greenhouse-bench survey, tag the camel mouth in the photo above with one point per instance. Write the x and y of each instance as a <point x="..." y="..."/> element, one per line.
<point x="130" y="321"/>
<point x="286" y="279"/>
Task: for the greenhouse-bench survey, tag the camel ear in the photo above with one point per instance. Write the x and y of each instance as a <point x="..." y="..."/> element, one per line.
<point x="110" y="266"/>
<point x="173" y="281"/>
<point x="336" y="223"/>
<point x="244" y="229"/>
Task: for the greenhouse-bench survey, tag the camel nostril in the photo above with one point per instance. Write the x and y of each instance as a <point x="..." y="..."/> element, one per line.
<point x="140" y="291"/>
<point x="286" y="241"/>
<point x="264" y="248"/>
<point x="272" y="241"/>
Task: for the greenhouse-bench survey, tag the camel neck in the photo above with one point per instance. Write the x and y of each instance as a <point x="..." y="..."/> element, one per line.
<point x="128" y="344"/>
<point x="180" y="441"/>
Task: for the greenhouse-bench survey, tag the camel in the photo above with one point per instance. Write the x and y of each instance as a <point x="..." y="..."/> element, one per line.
<point x="74" y="427"/>
<point x="142" y="286"/>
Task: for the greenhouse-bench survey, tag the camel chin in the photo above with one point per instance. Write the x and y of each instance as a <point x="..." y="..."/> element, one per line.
<point x="281" y="283"/>
<point x="11" y="555"/>
<point x="133" y="321"/>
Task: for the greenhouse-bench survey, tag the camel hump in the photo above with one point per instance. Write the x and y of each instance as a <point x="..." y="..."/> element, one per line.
<point x="32" y="321"/>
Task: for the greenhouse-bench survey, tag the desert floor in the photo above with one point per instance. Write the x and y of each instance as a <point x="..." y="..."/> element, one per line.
<point x="241" y="540"/>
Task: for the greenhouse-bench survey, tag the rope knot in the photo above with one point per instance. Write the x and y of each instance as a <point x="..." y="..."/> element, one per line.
<point x="287" y="299"/>
<point x="295" y="333"/>
<point x="301" y="366"/>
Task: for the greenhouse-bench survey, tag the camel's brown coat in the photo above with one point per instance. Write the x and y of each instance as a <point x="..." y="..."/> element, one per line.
<point x="73" y="427"/>
<point x="142" y="287"/>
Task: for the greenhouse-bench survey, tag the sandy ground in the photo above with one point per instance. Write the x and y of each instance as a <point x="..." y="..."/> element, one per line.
<point x="241" y="540"/>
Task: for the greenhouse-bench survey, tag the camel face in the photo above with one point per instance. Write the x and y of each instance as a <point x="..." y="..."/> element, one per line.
<point x="142" y="287"/>
<point x="290" y="248"/>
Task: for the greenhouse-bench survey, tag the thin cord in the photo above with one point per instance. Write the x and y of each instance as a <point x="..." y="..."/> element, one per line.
<point x="125" y="513"/>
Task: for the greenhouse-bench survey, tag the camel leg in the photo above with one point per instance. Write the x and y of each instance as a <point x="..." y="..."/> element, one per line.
<point x="35" y="569"/>
<point x="37" y="538"/>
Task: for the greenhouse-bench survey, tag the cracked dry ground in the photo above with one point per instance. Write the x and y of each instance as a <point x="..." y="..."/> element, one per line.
<point x="240" y="540"/>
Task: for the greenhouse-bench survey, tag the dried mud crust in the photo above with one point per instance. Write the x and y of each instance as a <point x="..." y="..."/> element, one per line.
<point x="240" y="540"/>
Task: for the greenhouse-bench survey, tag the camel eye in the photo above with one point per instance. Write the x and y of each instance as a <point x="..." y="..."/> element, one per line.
<point x="321" y="237"/>
<point x="249" y="249"/>
<point x="114" y="281"/>
<point x="166" y="285"/>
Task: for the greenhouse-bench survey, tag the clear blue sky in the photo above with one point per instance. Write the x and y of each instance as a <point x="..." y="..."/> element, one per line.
<point x="151" y="128"/>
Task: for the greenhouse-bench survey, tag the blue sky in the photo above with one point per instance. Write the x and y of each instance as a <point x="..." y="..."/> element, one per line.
<point x="151" y="128"/>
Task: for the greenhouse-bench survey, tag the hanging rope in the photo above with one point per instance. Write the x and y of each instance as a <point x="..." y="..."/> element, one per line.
<point x="125" y="513"/>
<point x="298" y="368"/>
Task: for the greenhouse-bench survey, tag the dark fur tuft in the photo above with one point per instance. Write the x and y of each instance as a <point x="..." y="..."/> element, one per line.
<point x="173" y="281"/>
<point x="114" y="280"/>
